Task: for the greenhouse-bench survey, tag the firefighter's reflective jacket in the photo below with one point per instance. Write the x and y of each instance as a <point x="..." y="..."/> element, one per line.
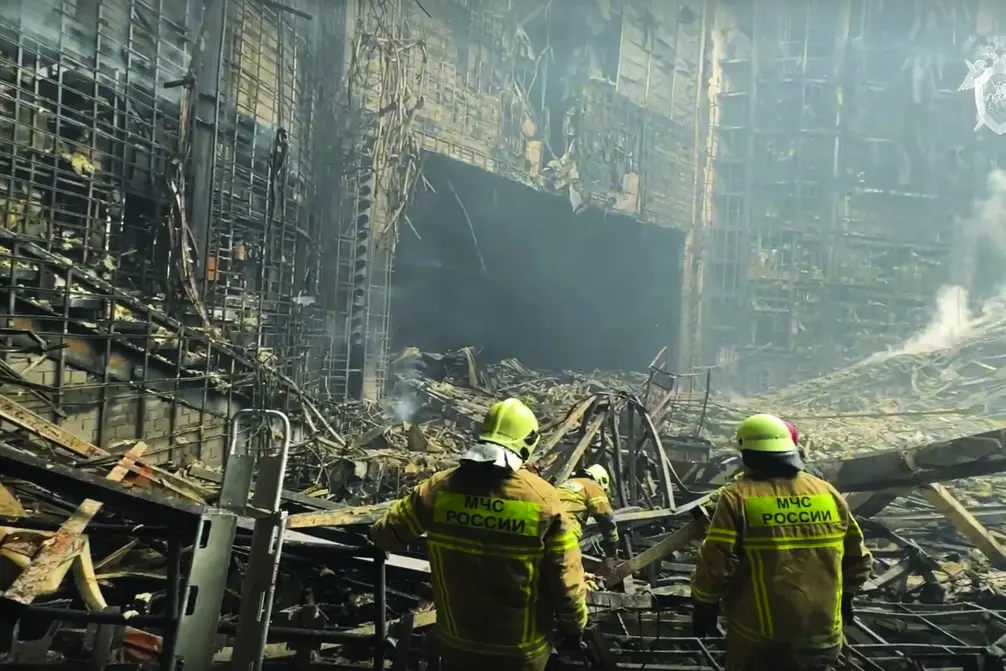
<point x="504" y="559"/>
<point x="584" y="498"/>
<point x="779" y="553"/>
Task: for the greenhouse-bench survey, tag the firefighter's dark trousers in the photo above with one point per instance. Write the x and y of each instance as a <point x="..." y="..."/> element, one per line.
<point x="493" y="663"/>
<point x="745" y="655"/>
<point x="457" y="660"/>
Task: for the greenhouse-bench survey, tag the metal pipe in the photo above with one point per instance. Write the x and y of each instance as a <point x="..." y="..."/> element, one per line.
<point x="87" y="617"/>
<point x="35" y="524"/>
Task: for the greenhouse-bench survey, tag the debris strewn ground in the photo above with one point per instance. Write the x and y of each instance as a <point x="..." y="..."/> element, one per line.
<point x="931" y="508"/>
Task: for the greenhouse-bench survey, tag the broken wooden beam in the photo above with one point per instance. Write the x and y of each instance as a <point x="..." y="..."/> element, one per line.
<point x="141" y="505"/>
<point x="897" y="572"/>
<point x="16" y="414"/>
<point x="940" y="498"/>
<point x="338" y="518"/>
<point x="67" y="542"/>
<point x="573" y="417"/>
<point x="966" y="457"/>
<point x="678" y="540"/>
<point x="144" y="507"/>
<point x="9" y="505"/>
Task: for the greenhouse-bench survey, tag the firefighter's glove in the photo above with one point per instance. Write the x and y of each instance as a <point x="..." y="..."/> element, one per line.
<point x="848" y="609"/>
<point x="704" y="618"/>
<point x="571" y="643"/>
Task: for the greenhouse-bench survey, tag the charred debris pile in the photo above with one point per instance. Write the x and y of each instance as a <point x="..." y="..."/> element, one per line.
<point x="100" y="546"/>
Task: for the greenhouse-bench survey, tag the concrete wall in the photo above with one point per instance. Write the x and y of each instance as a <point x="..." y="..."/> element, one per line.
<point x="176" y="427"/>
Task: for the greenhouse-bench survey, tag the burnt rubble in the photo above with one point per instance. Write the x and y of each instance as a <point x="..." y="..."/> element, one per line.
<point x="100" y="547"/>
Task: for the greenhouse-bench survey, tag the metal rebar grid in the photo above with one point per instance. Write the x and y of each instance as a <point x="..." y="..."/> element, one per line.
<point x="82" y="127"/>
<point x="161" y="247"/>
<point x="259" y="251"/>
<point x="832" y="224"/>
<point x="885" y="637"/>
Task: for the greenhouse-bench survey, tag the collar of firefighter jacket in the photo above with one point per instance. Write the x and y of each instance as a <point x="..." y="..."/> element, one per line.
<point x="488" y="453"/>
<point x="770" y="465"/>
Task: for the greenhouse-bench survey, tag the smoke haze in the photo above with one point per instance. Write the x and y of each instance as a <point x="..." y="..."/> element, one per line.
<point x="982" y="239"/>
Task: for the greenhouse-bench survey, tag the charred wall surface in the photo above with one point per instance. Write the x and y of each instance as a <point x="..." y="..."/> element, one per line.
<point x="844" y="156"/>
<point x="597" y="102"/>
<point x="494" y="262"/>
<point x="162" y="247"/>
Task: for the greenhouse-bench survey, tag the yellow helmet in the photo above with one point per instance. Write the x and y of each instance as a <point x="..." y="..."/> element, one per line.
<point x="599" y="474"/>
<point x="765" y="433"/>
<point x="512" y="425"/>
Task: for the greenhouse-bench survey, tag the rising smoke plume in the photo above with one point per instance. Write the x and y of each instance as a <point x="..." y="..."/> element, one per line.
<point x="981" y="236"/>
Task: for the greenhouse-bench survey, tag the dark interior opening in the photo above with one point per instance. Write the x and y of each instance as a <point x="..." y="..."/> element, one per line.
<point x="487" y="262"/>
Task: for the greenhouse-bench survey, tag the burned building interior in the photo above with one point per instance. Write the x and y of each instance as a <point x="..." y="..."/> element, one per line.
<point x="266" y="264"/>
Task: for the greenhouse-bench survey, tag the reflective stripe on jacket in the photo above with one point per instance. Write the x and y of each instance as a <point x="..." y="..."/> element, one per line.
<point x="504" y="559"/>
<point x="779" y="553"/>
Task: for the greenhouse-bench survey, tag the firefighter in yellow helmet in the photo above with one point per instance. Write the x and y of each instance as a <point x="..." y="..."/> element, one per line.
<point x="784" y="556"/>
<point x="586" y="495"/>
<point x="504" y="558"/>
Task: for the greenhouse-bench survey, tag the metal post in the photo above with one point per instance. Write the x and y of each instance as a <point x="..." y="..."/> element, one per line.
<point x="171" y="609"/>
<point x="204" y="592"/>
<point x="208" y="75"/>
<point x="381" y="605"/>
<point x="259" y="583"/>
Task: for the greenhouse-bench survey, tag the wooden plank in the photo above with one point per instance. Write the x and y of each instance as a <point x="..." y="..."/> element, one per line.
<point x="966" y="524"/>
<point x="572" y="419"/>
<point x="337" y="518"/>
<point x="680" y="539"/>
<point x="67" y="540"/>
<point x="9" y="505"/>
<point x="16" y="414"/>
<point x="967" y="457"/>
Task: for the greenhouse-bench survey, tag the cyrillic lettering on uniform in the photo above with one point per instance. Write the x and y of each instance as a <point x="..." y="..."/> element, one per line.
<point x="777" y="511"/>
<point x="487" y="513"/>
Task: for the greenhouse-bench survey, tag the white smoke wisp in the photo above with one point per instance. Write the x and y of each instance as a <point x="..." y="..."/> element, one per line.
<point x="404" y="407"/>
<point x="404" y="402"/>
<point x="953" y="322"/>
